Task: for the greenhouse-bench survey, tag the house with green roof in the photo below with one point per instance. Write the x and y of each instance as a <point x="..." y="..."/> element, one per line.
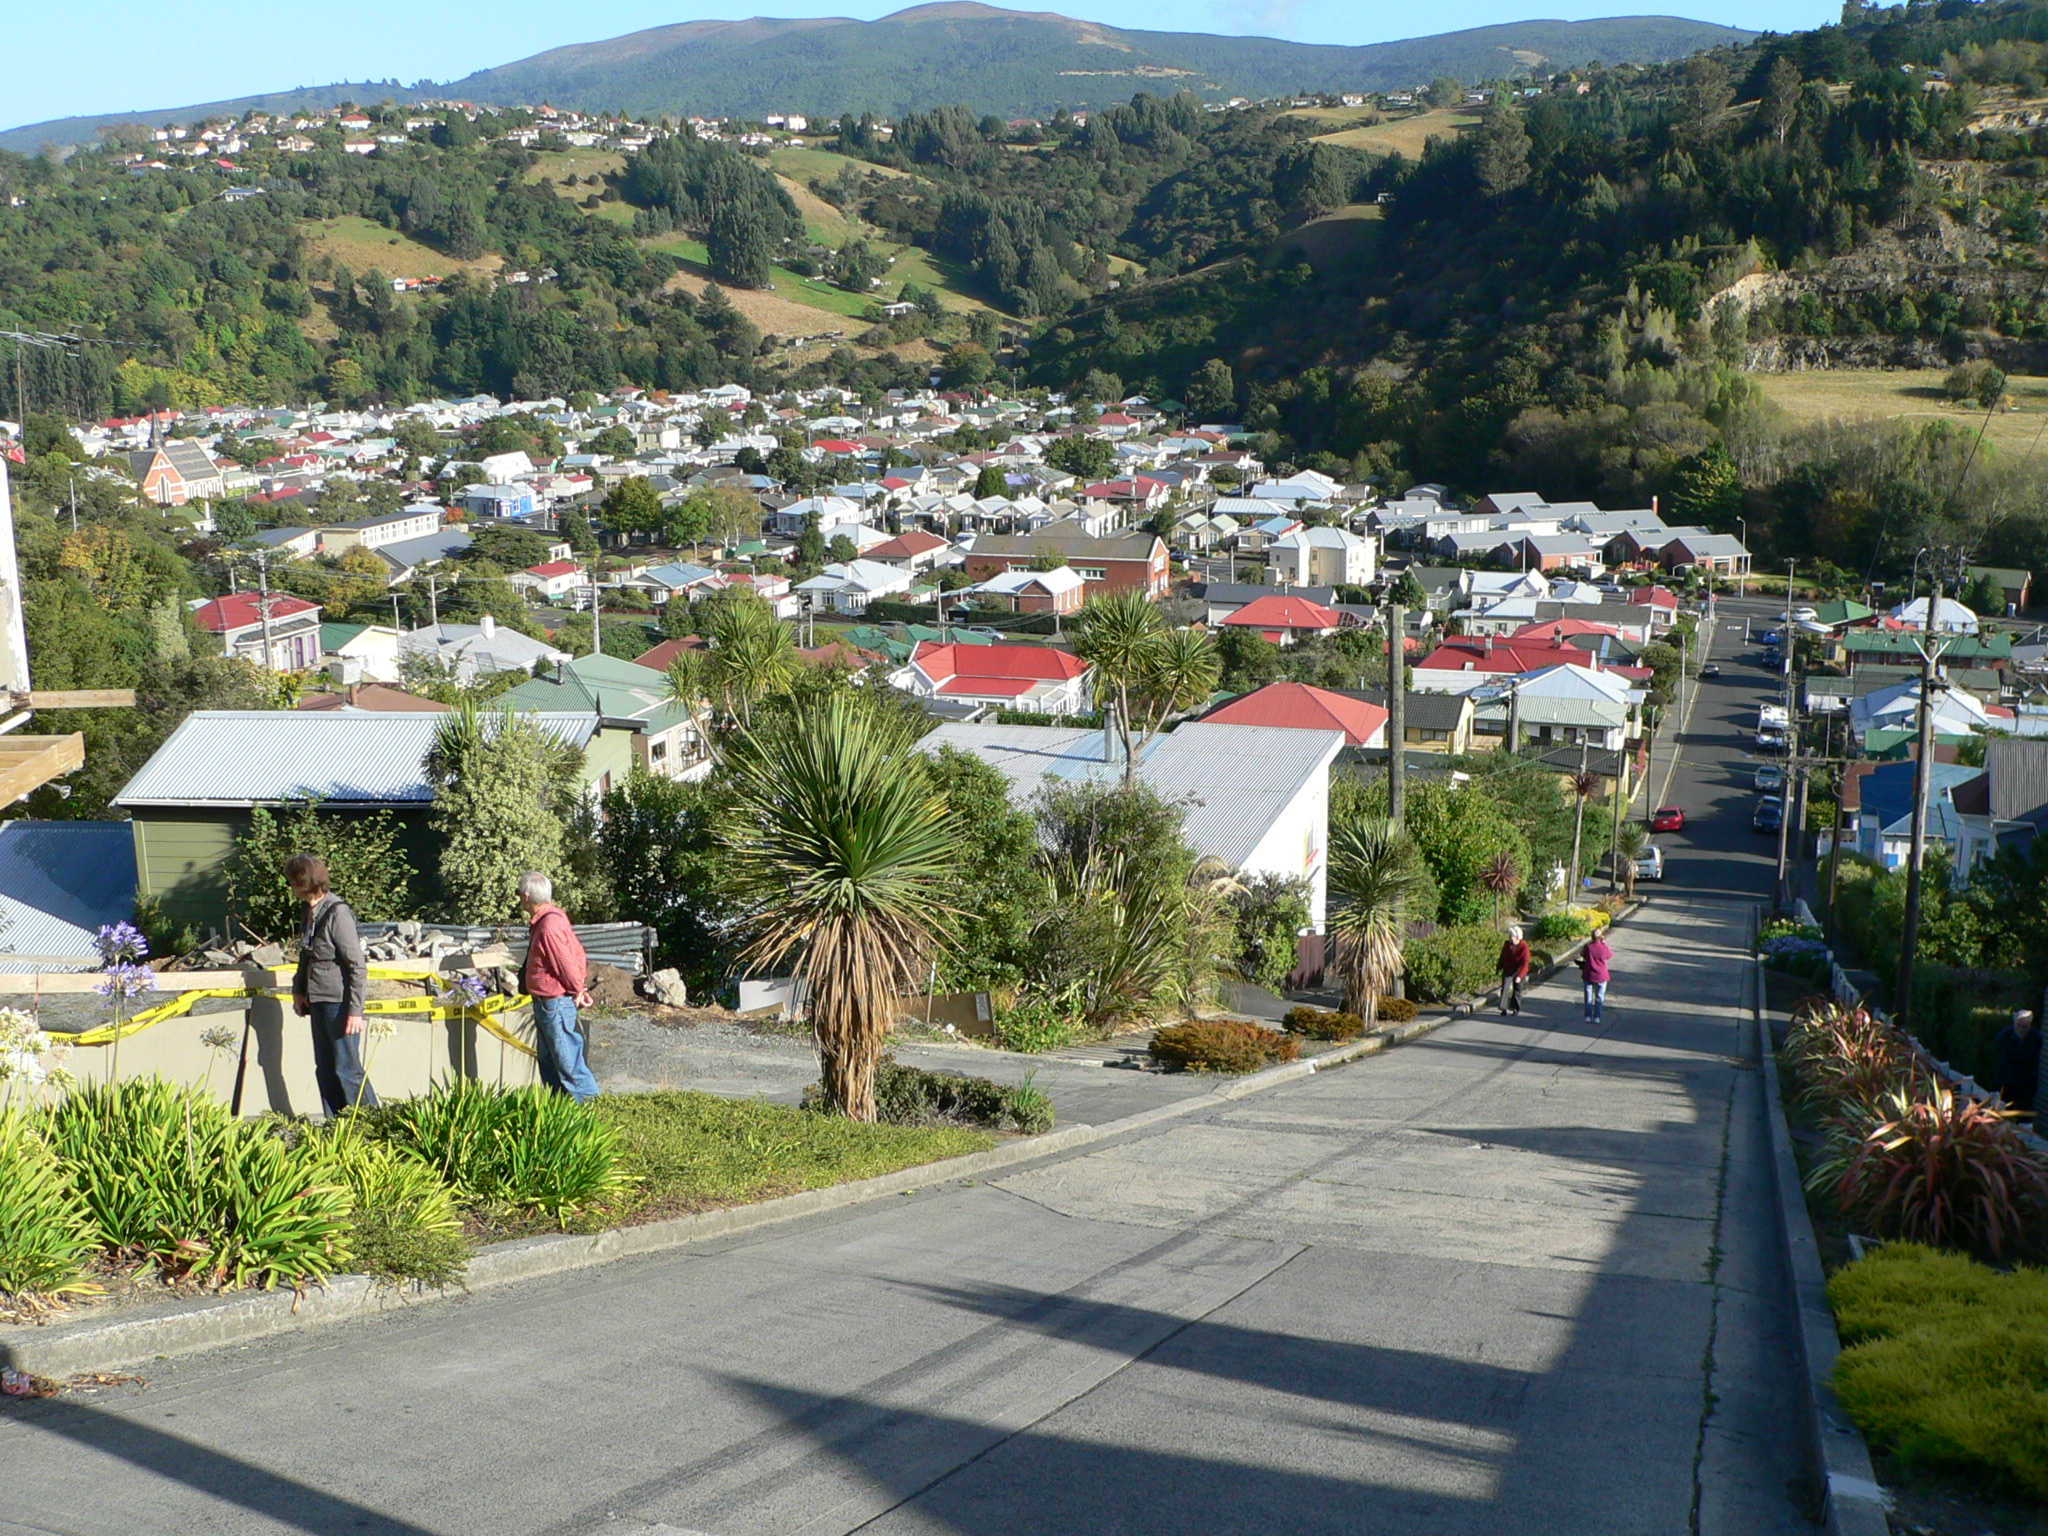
<point x="1894" y="646"/>
<point x="638" y="724"/>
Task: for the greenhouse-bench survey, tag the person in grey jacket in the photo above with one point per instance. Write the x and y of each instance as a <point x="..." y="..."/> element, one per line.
<point x="329" y="988"/>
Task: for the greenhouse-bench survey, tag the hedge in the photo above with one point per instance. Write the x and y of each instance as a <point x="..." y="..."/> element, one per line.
<point x="1462" y="959"/>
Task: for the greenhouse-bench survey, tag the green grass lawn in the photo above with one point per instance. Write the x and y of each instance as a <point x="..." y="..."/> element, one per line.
<point x="695" y="1151"/>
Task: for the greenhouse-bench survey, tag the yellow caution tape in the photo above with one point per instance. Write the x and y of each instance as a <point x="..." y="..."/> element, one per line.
<point x="429" y="1008"/>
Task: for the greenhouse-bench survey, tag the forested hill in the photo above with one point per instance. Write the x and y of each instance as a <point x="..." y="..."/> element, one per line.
<point x="1010" y="63"/>
<point x="1017" y="64"/>
<point x="1574" y="291"/>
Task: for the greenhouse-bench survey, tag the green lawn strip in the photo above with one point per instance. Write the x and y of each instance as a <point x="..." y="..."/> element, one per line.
<point x="696" y="1152"/>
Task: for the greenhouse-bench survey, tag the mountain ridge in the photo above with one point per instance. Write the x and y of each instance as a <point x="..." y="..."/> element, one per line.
<point x="1012" y="63"/>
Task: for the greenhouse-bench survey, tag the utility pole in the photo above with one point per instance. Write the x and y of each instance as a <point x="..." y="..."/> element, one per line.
<point x="263" y="606"/>
<point x="596" y="619"/>
<point x="1397" y="708"/>
<point x="74" y="503"/>
<point x="433" y="601"/>
<point x="1923" y="780"/>
<point x="1791" y="750"/>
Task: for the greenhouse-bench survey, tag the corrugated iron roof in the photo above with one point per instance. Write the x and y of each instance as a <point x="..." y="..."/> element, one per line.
<point x="59" y="882"/>
<point x="1234" y="781"/>
<point x="241" y="757"/>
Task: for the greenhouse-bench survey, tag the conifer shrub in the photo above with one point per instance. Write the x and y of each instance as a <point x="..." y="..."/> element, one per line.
<point x="1943" y="1364"/>
<point x="1322" y="1024"/>
<point x="1221" y="1045"/>
<point x="1397" y="1010"/>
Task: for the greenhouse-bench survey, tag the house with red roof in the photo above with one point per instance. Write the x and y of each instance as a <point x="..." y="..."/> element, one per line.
<point x="1301" y="707"/>
<point x="913" y="551"/>
<point x="1662" y="603"/>
<point x="1284" y="618"/>
<point x="836" y="445"/>
<point x="555" y="578"/>
<point x="1466" y="662"/>
<point x="1140" y="493"/>
<point x="1027" y="677"/>
<point x="238" y="618"/>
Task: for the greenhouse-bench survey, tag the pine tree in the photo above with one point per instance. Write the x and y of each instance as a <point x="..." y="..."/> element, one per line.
<point x="739" y="246"/>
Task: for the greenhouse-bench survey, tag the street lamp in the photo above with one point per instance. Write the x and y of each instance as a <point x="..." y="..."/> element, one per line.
<point x="1742" y="574"/>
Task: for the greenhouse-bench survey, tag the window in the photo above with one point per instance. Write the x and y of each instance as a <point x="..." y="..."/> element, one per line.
<point x="1091" y="572"/>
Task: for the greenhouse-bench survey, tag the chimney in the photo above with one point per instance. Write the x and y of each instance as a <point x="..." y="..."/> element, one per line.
<point x="488" y="626"/>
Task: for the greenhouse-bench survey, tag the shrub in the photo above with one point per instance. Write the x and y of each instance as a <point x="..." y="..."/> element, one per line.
<point x="1452" y="961"/>
<point x="1396" y="1010"/>
<point x="1943" y="1364"/>
<point x="1553" y="927"/>
<point x="1320" y="1024"/>
<point x="170" y="1176"/>
<point x="526" y="1148"/>
<point x="913" y="1096"/>
<point x="406" y="1226"/>
<point x="1221" y="1045"/>
<point x="1786" y="928"/>
<point x="1944" y="1169"/>
<point x="46" y="1232"/>
<point x="1038" y="1021"/>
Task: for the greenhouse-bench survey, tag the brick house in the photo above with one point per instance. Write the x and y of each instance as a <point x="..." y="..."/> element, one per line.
<point x="1124" y="562"/>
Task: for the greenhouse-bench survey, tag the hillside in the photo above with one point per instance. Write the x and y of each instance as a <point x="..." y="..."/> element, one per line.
<point x="1018" y="64"/>
<point x="1012" y="63"/>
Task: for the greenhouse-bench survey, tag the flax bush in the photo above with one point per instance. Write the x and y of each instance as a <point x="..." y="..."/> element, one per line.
<point x="169" y="1176"/>
<point x="46" y="1232"/>
<point x="520" y="1148"/>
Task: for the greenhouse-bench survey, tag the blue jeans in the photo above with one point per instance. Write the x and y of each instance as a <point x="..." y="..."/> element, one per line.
<point x="338" y="1061"/>
<point x="1596" y="1000"/>
<point x="559" y="1043"/>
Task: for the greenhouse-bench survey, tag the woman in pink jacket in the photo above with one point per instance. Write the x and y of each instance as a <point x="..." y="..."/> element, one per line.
<point x="1593" y="967"/>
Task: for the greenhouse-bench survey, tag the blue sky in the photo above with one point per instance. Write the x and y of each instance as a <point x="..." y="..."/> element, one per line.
<point x="163" y="56"/>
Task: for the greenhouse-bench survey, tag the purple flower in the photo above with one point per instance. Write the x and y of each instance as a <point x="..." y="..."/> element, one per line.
<point x="464" y="992"/>
<point x="121" y="942"/>
<point x="125" y="980"/>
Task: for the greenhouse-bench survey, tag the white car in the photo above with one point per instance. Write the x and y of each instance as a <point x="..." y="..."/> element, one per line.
<point x="1650" y="865"/>
<point x="1799" y="616"/>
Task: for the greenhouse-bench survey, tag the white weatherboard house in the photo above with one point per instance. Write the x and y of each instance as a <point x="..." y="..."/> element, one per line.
<point x="1256" y="798"/>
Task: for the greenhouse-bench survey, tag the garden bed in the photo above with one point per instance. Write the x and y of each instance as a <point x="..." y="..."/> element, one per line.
<point x="1944" y="1438"/>
<point x="410" y="1191"/>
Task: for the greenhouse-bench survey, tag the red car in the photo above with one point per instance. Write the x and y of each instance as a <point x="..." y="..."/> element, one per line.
<point x="1668" y="819"/>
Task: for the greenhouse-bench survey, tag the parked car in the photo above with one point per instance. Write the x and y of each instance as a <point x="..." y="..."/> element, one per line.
<point x="1711" y="669"/>
<point x="1650" y="863"/>
<point x="1667" y="818"/>
<point x="1770" y="778"/>
<point x="1770" y="815"/>
<point x="1771" y="637"/>
<point x="1772" y="741"/>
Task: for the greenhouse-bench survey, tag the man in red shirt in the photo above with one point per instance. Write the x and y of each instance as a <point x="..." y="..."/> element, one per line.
<point x="556" y="978"/>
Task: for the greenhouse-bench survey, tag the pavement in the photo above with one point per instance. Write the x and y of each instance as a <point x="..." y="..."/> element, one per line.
<point x="1519" y="1276"/>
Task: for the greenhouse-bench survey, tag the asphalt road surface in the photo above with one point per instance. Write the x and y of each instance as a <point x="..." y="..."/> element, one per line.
<point x="1518" y="1277"/>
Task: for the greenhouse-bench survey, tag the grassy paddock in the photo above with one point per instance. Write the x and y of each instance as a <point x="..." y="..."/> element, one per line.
<point x="1912" y="395"/>
<point x="362" y="243"/>
<point x="1407" y="134"/>
<point x="696" y="1152"/>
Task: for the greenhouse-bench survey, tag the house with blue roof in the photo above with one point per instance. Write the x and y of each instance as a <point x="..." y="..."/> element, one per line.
<point x="1883" y="828"/>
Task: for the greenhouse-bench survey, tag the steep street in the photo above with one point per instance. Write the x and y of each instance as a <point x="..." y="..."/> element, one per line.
<point x="1517" y="1277"/>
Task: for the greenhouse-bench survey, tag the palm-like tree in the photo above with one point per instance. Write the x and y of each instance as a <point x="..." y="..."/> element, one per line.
<point x="753" y="654"/>
<point x="841" y="848"/>
<point x="690" y="687"/>
<point x="1629" y="842"/>
<point x="1145" y="672"/>
<point x="1374" y="873"/>
<point x="1501" y="874"/>
<point x="1117" y="635"/>
<point x="1584" y="784"/>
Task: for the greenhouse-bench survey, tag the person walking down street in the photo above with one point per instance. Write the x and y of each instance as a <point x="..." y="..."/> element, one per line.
<point x="2019" y="1062"/>
<point x="1594" y="963"/>
<point x="1514" y="970"/>
<point x="329" y="987"/>
<point x="557" y="979"/>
